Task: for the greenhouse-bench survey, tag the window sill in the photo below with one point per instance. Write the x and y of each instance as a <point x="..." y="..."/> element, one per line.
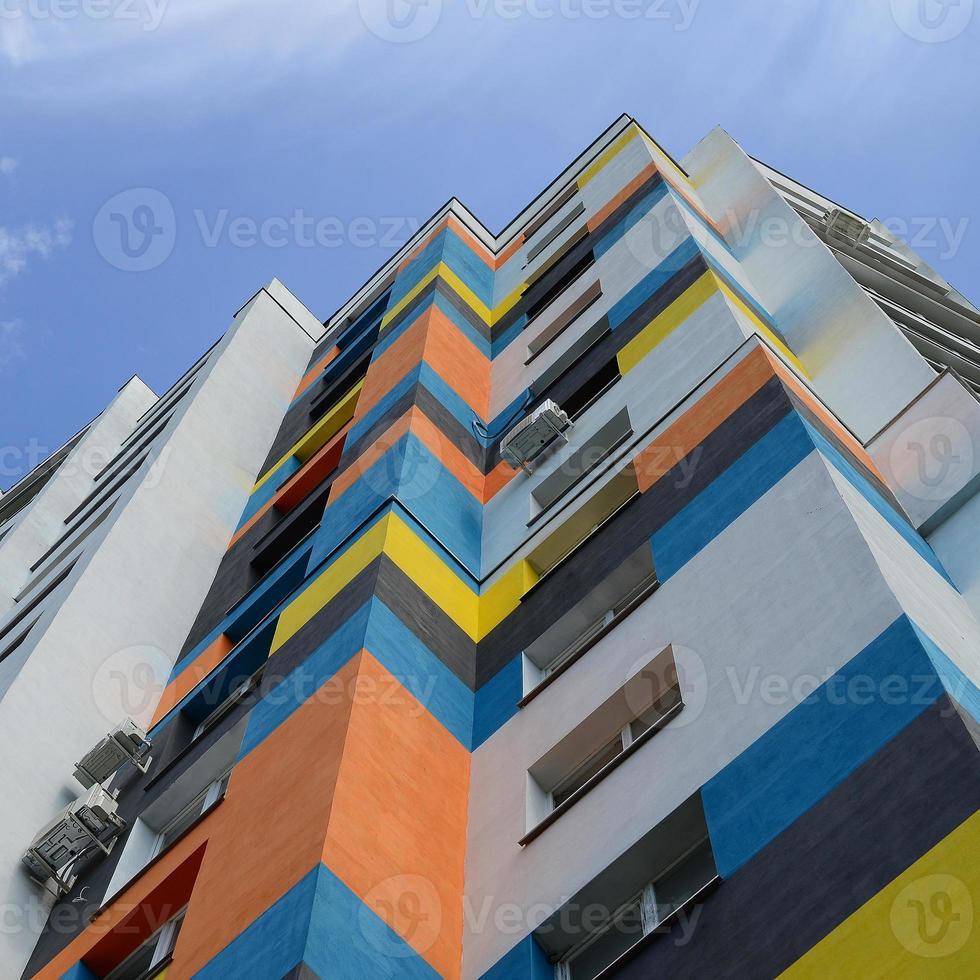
<point x="587" y="787"/>
<point x="587" y="646"/>
<point x="548" y="572"/>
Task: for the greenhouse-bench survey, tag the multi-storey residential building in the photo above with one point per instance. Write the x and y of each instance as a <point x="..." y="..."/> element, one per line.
<point x="598" y="598"/>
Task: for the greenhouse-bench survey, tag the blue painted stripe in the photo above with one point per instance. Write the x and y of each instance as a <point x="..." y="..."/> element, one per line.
<point x="653" y="280"/>
<point x="753" y="474"/>
<point x="496" y="701"/>
<point x="378" y="630"/>
<point x="957" y="685"/>
<point x="818" y="744"/>
<point x="525" y="961"/>
<point x="885" y="509"/>
<point x="410" y="472"/>
<point x="636" y="214"/>
<point x="322" y="923"/>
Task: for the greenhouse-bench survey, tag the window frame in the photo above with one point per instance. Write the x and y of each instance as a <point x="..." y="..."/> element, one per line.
<point x="164" y="941"/>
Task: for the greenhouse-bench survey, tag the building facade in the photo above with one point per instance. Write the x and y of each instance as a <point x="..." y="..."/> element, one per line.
<point x="598" y="598"/>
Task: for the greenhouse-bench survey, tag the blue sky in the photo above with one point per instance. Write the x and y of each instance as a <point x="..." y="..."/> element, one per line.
<point x="343" y="130"/>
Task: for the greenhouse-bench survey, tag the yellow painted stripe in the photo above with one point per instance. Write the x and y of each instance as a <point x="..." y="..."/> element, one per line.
<point x="665" y="164"/>
<point x="476" y="614"/>
<point x="593" y="169"/>
<point x="443" y="271"/>
<point x="329" y="583"/>
<point x="323" y="431"/>
<point x="761" y="326"/>
<point x="665" y="323"/>
<point x="508" y="302"/>
<point x="923" y="924"/>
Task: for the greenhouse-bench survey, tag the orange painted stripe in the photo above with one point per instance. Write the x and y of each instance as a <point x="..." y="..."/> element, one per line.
<point x="144" y="892"/>
<point x="698" y="422"/>
<point x="192" y="675"/>
<point x="284" y="497"/>
<point x="403" y="772"/>
<point x="435" y="339"/>
<point x="316" y="470"/>
<point x="824" y="414"/>
<point x="249" y="864"/>
<point x="497" y="479"/>
<point x="314" y="372"/>
<point x="509" y="252"/>
<point x="631" y="188"/>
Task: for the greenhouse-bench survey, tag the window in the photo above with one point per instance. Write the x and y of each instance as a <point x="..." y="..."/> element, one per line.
<point x="593" y="450"/>
<point x="600" y="742"/>
<point x="550" y="211"/>
<point x="601" y="625"/>
<point x="190" y="814"/>
<point x="561" y="226"/>
<point x="640" y="915"/>
<point x="577" y="781"/>
<point x="634" y="920"/>
<point x="549" y="295"/>
<point x="563" y="321"/>
<point x="592" y="389"/>
<point x="240" y="692"/>
<point x="150" y="959"/>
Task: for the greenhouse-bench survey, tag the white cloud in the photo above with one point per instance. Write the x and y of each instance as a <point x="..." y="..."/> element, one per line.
<point x="19" y="245"/>
<point x="155" y="46"/>
<point x="7" y="166"/>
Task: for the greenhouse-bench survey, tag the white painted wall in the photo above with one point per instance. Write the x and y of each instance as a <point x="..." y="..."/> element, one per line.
<point x="790" y="589"/>
<point x="862" y="366"/>
<point x="105" y="651"/>
<point x="42" y="521"/>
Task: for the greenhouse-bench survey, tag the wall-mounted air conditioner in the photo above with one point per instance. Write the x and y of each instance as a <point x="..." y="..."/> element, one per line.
<point x="88" y="824"/>
<point x="127" y="742"/>
<point x="532" y="435"/>
<point x="846" y="227"/>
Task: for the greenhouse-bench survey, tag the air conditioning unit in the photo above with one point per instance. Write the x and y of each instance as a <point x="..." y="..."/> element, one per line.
<point x="532" y="435"/>
<point x="127" y="742"/>
<point x="846" y="227"/>
<point x="89" y="823"/>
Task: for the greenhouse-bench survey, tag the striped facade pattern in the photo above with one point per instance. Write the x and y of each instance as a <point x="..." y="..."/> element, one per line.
<point x="386" y="578"/>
